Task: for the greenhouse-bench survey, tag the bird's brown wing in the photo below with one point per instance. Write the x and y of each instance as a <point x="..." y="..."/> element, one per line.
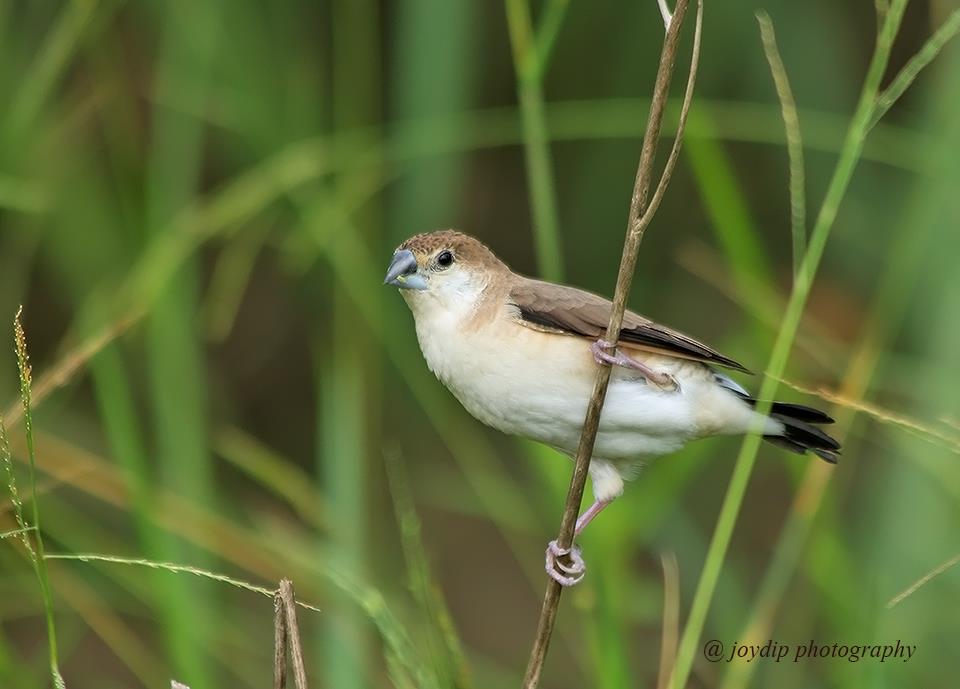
<point x="567" y="310"/>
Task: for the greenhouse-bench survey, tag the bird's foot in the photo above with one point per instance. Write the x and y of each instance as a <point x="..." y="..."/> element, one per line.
<point x="658" y="378"/>
<point x="565" y="573"/>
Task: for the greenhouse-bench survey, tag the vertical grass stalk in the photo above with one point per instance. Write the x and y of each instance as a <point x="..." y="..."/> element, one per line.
<point x="190" y="42"/>
<point x="37" y="557"/>
<point x="536" y="141"/>
<point x="347" y="386"/>
<point x="791" y="121"/>
<point x="886" y="313"/>
<point x="849" y="156"/>
<point x="445" y="651"/>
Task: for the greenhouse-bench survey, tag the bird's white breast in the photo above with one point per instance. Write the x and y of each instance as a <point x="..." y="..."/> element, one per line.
<point x="536" y="384"/>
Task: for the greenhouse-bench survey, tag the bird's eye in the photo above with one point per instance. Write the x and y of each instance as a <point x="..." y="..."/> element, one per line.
<point x="445" y="259"/>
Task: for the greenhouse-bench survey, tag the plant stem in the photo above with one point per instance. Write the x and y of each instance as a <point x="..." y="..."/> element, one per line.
<point x="548" y="28"/>
<point x="850" y="154"/>
<point x="536" y="141"/>
<point x="791" y="122"/>
<point x="635" y="228"/>
<point x="39" y="561"/>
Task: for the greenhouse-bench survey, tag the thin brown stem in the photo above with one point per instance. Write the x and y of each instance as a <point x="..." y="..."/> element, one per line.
<point x="293" y="634"/>
<point x="635" y="228"/>
<point x="681" y="126"/>
<point x="279" y="643"/>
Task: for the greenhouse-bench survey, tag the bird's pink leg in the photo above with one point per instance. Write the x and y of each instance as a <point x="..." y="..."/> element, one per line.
<point x="573" y="573"/>
<point x="602" y="356"/>
<point x="588" y="516"/>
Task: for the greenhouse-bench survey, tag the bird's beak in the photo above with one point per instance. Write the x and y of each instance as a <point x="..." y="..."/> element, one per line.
<point x="403" y="273"/>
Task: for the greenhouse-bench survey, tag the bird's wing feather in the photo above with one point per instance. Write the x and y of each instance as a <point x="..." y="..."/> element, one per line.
<point x="571" y="311"/>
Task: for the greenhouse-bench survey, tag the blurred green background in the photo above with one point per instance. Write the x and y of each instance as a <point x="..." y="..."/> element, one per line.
<point x="217" y="188"/>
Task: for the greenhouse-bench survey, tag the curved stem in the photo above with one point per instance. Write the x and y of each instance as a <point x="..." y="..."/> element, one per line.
<point x="638" y="206"/>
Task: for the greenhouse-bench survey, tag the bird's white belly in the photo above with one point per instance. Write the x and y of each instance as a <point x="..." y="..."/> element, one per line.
<point x="537" y="386"/>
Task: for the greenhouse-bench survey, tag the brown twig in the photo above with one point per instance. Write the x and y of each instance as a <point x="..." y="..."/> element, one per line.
<point x="279" y="643"/>
<point x="637" y="221"/>
<point x="292" y="633"/>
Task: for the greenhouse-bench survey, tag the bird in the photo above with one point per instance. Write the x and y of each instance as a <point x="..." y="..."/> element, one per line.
<point x="520" y="355"/>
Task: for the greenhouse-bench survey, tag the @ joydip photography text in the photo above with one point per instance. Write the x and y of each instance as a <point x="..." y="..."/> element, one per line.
<point x="778" y="651"/>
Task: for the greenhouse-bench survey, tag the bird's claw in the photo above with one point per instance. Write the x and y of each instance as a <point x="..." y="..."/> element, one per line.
<point x="665" y="381"/>
<point x="658" y="378"/>
<point x="563" y="573"/>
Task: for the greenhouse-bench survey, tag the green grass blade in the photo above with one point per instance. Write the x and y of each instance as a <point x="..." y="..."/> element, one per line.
<point x="427" y="195"/>
<point x="843" y="172"/>
<point x="726" y="203"/>
<point x="906" y="76"/>
<point x="906" y="261"/>
<point x="543" y="194"/>
<point x="341" y="469"/>
<point x="53" y="59"/>
<point x="177" y="375"/>
<point x="445" y="647"/>
<point x="548" y="29"/>
<point x="791" y="122"/>
<point x="345" y="374"/>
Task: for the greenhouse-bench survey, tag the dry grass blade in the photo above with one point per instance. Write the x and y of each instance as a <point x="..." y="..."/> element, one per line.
<point x="935" y="572"/>
<point x="176" y="569"/>
<point x="71" y="362"/>
<point x="791" y="122"/>
<point x="817" y="341"/>
<point x="16" y="532"/>
<point x="880" y="414"/>
<point x="112" y="627"/>
<point x="635" y="227"/>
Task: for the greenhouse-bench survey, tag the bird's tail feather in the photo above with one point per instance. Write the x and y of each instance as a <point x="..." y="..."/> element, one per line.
<point x="800" y="432"/>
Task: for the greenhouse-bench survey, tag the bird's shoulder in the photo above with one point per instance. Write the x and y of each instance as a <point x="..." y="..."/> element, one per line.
<point x="566" y="310"/>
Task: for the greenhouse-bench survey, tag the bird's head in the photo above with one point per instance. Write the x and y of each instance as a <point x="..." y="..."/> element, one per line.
<point x="445" y="269"/>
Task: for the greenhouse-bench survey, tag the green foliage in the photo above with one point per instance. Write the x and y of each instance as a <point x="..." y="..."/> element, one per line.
<point x="197" y="200"/>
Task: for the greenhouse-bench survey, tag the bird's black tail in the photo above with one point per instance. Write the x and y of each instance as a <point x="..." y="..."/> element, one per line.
<point x="800" y="432"/>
